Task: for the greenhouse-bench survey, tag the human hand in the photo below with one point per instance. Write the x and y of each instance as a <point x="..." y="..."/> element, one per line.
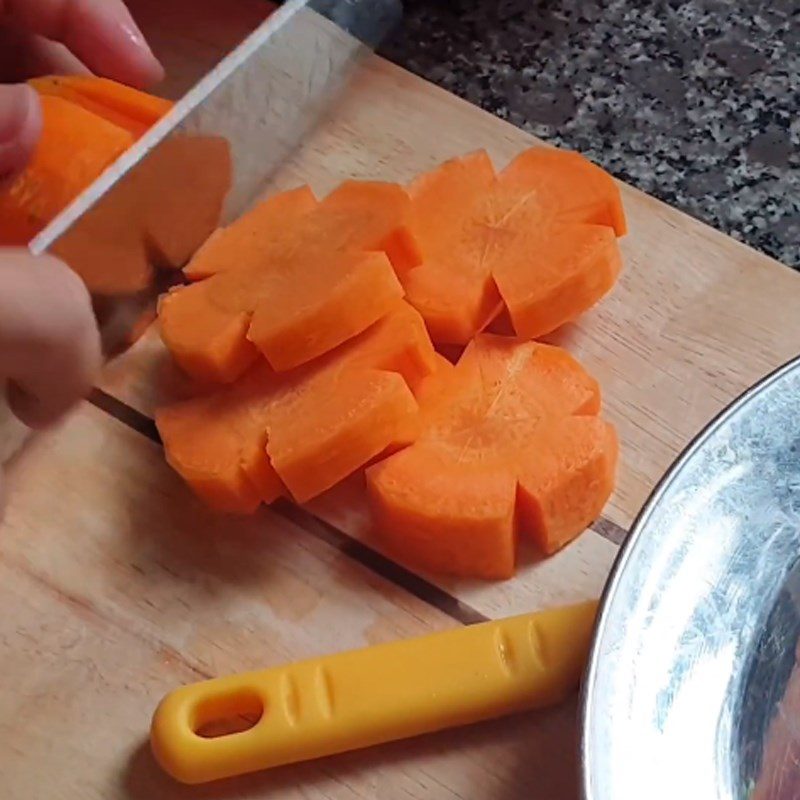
<point x="49" y="344"/>
<point x="61" y="36"/>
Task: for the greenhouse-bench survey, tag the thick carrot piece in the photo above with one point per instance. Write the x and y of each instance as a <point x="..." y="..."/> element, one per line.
<point x="539" y="239"/>
<point x="369" y="215"/>
<point x="75" y="147"/>
<point x="576" y="189"/>
<point x="289" y="331"/>
<point x="156" y="216"/>
<point x="302" y="431"/>
<point x="216" y="328"/>
<point x="223" y="354"/>
<point x="558" y="274"/>
<point x="445" y="516"/>
<point x="358" y="216"/>
<point x="117" y="103"/>
<point x="292" y="279"/>
<point x="321" y="436"/>
<point x="352" y="405"/>
<point x="510" y="443"/>
<point x="241" y="245"/>
<point x="452" y="288"/>
<point x="206" y="441"/>
<point x="566" y="480"/>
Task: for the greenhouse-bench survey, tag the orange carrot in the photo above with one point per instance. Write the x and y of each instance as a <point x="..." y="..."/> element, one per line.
<point x="75" y="147"/>
<point x="291" y="279"/>
<point x="117" y="103"/>
<point x="157" y="215"/>
<point x="242" y="244"/>
<point x="538" y="239"/>
<point x="181" y="191"/>
<point x="510" y="442"/>
<point x="301" y="431"/>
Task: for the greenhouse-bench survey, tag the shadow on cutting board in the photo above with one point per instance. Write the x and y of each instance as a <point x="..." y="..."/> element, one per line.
<point x="531" y="755"/>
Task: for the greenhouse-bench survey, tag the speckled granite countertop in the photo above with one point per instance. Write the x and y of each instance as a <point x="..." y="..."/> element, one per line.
<point x="691" y="101"/>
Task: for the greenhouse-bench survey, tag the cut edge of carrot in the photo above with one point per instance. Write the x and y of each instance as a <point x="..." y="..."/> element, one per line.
<point x="123" y="105"/>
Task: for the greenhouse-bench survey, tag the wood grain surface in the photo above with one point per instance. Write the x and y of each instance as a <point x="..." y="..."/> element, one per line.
<point x="118" y="585"/>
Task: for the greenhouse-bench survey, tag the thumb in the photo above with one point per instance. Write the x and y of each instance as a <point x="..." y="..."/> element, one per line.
<point x="20" y="126"/>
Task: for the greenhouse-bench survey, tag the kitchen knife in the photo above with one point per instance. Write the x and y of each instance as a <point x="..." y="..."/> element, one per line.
<point x="261" y="100"/>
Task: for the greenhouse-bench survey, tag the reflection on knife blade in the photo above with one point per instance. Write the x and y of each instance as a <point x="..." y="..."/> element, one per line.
<point x="159" y="201"/>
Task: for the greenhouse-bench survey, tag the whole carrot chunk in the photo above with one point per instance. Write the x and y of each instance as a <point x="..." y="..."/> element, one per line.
<point x="539" y="239"/>
<point x="302" y="431"/>
<point x="292" y="279"/>
<point x="510" y="443"/>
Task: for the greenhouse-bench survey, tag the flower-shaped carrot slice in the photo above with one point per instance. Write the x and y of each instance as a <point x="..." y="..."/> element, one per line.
<point x="539" y="238"/>
<point x="510" y="442"/>
<point x="291" y="279"/>
<point x="306" y="429"/>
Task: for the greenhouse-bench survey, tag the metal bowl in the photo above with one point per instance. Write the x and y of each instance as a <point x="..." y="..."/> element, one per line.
<point x="693" y="690"/>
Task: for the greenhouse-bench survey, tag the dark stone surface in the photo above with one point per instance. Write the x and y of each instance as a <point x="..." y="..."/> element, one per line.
<point x="695" y="102"/>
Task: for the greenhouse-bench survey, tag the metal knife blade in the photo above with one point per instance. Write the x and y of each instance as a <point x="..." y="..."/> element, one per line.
<point x="261" y="100"/>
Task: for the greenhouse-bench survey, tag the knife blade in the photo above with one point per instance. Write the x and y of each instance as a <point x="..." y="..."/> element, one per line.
<point x="259" y="102"/>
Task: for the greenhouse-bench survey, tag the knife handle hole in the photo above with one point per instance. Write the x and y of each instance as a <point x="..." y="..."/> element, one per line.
<point x="226" y="714"/>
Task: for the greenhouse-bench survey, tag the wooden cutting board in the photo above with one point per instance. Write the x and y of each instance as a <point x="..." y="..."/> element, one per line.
<point x="118" y="586"/>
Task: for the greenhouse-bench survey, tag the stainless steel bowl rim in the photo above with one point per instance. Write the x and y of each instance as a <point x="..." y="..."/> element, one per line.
<point x="638" y="531"/>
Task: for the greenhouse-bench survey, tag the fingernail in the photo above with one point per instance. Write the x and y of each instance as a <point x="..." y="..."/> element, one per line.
<point x="147" y="66"/>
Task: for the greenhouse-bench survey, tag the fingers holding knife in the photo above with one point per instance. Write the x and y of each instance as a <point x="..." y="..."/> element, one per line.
<point x="49" y="343"/>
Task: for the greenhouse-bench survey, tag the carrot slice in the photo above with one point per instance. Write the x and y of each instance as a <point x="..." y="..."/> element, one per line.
<point x="576" y="189"/>
<point x="424" y="522"/>
<point x="216" y="328"/>
<point x="241" y="245"/>
<point x="510" y="442"/>
<point x="74" y="148"/>
<point x="561" y="273"/>
<point x="117" y="103"/>
<point x="358" y="216"/>
<point x="452" y="288"/>
<point x="213" y="443"/>
<point x="323" y="433"/>
<point x="566" y="480"/>
<point x="291" y="279"/>
<point x="157" y="215"/>
<point x="539" y="239"/>
<point x="182" y="188"/>
<point x="301" y="431"/>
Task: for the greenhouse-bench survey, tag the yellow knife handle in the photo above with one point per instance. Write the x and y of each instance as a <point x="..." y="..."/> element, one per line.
<point x="365" y="697"/>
